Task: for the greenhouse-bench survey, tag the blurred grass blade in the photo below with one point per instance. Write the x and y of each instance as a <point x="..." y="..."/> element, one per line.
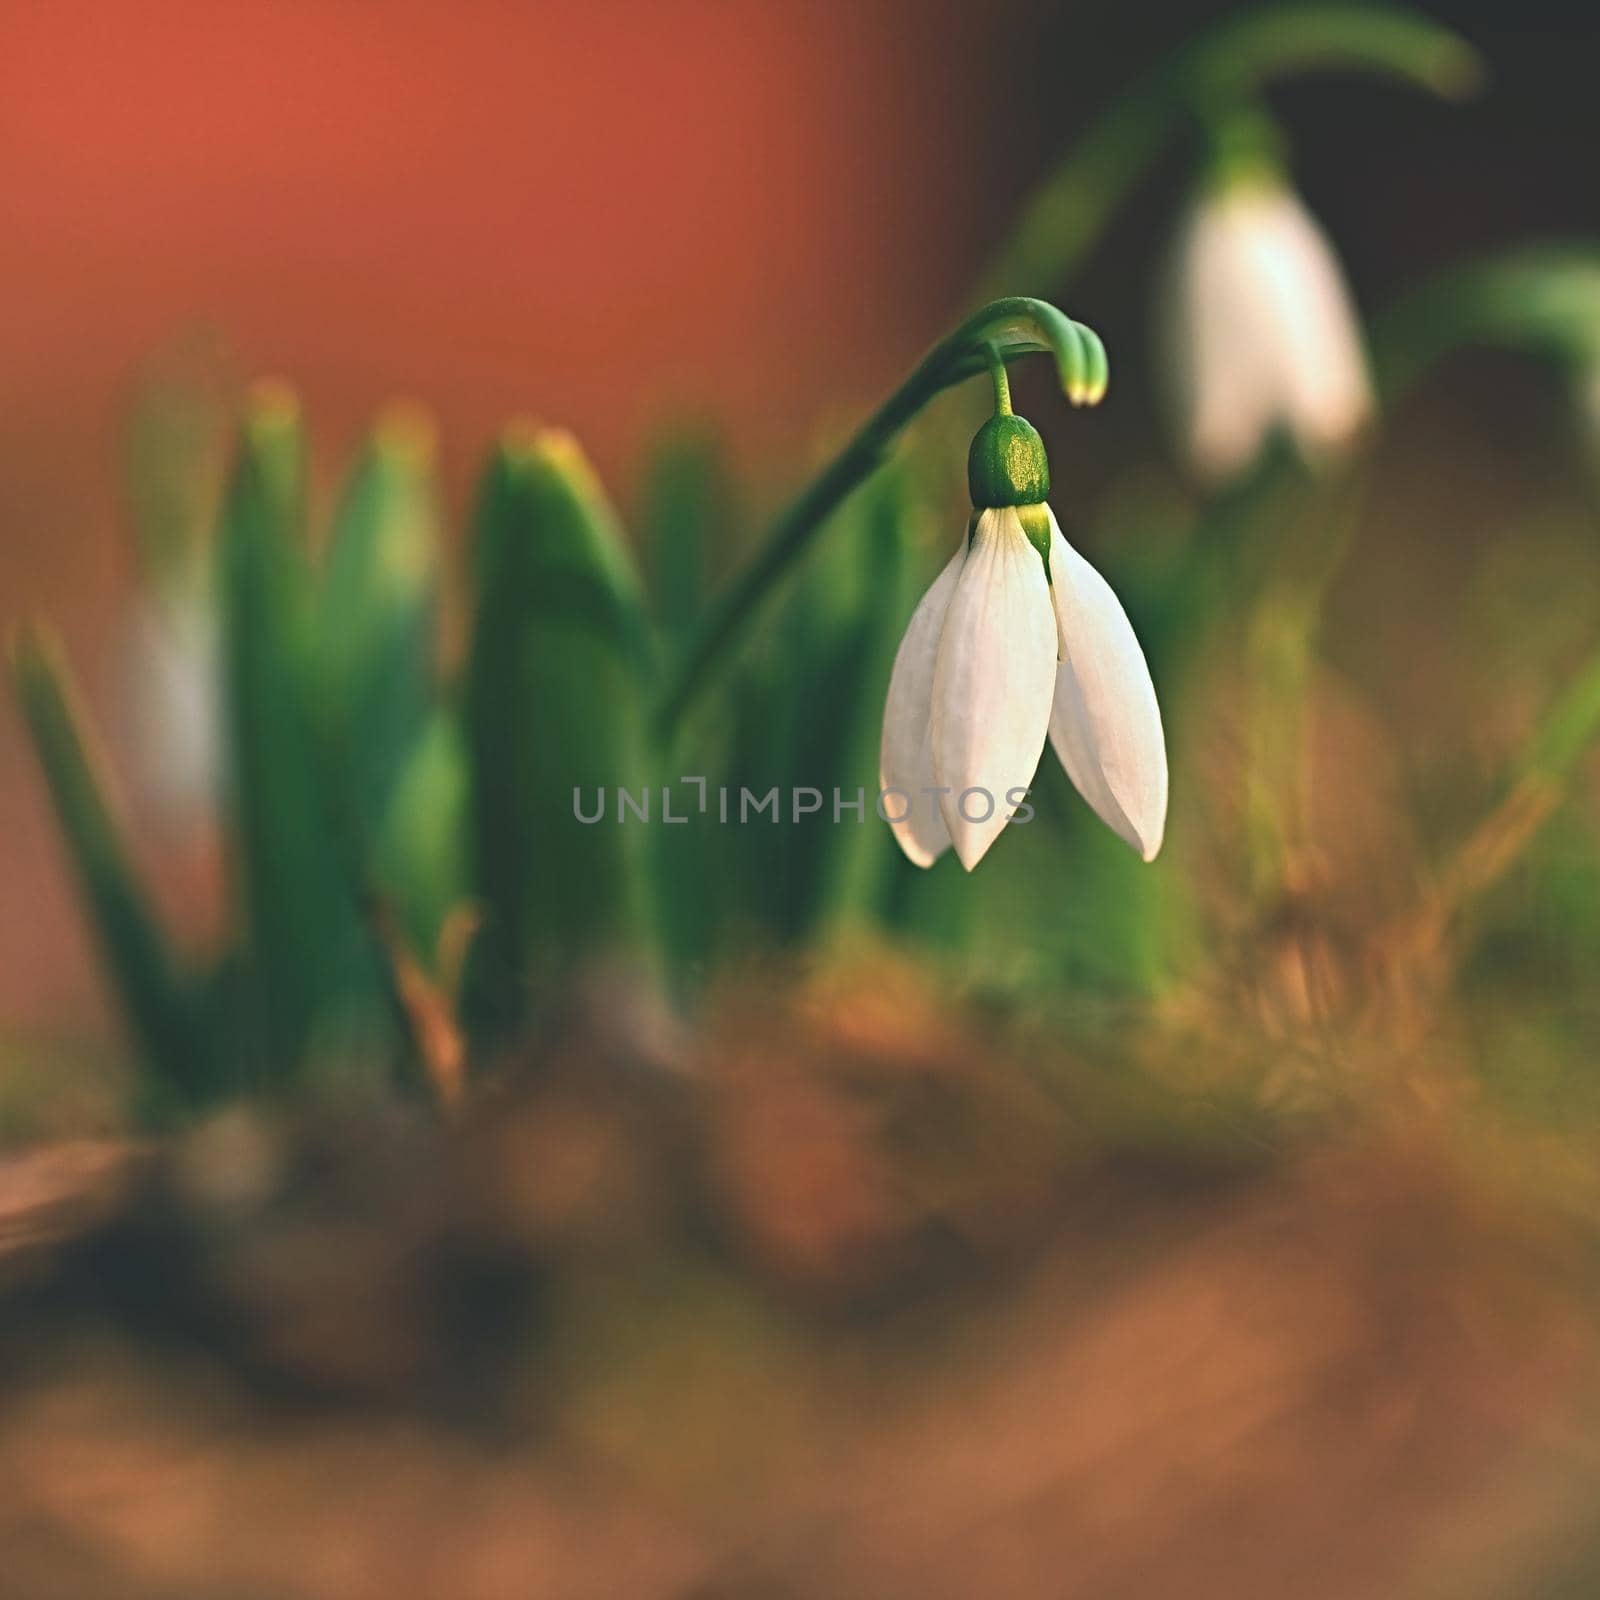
<point x="379" y="614"/>
<point x="786" y="692"/>
<point x="810" y="720"/>
<point x="876" y="592"/>
<point x="685" y="522"/>
<point x="553" y="709"/>
<point x="1540" y="781"/>
<point x="162" y="1007"/>
<point x="1568" y="729"/>
<point x="421" y="855"/>
<point x="176" y="456"/>
<point x="317" y="967"/>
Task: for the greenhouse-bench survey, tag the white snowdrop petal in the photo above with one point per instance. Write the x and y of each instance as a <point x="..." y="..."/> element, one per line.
<point x="993" y="683"/>
<point x="1325" y="394"/>
<point x="1105" y="724"/>
<point x="171" y="704"/>
<point x="1219" y="351"/>
<point x="905" y="760"/>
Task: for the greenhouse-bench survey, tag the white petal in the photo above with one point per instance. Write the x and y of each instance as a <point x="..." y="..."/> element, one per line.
<point x="1219" y="354"/>
<point x="1324" y="394"/>
<point x="1105" y="725"/>
<point x="905" y="760"/>
<point x="993" y="683"/>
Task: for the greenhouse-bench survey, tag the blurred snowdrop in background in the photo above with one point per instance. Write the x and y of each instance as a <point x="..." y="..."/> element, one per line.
<point x="1259" y="329"/>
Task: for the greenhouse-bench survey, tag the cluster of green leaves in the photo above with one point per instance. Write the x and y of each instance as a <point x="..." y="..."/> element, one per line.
<point x="393" y="824"/>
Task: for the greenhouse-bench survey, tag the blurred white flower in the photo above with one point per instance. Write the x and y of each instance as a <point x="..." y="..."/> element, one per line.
<point x="171" y="679"/>
<point x="998" y="656"/>
<point x="1259" y="330"/>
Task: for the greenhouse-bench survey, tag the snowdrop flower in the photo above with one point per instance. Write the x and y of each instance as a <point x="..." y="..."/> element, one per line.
<point x="170" y="684"/>
<point x="1260" y="331"/>
<point x="1018" y="640"/>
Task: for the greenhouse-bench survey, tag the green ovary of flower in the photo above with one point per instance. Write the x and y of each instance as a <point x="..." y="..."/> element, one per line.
<point x="1006" y="465"/>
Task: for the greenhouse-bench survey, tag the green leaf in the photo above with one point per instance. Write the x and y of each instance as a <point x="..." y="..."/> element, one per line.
<point x="163" y="1008"/>
<point x="1542" y="299"/>
<point x="865" y="601"/>
<point x="421" y="863"/>
<point x="687" y="518"/>
<point x="811" y="719"/>
<point x="320" y="978"/>
<point x="685" y="521"/>
<point x="555" y="683"/>
<point x="378" y="617"/>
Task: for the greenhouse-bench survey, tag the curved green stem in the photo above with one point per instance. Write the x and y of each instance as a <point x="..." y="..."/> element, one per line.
<point x="1227" y="63"/>
<point x="1011" y="327"/>
<point x="1002" y="382"/>
<point x="1542" y="299"/>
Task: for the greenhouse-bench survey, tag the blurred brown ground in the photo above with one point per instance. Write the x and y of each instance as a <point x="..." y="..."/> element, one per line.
<point x="860" y="1309"/>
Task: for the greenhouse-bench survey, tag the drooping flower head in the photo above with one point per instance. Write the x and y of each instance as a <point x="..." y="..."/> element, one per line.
<point x="1019" y="640"/>
<point x="1258" y="327"/>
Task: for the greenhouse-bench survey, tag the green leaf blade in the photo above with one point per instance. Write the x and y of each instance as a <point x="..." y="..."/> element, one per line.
<point x="321" y="983"/>
<point x="163" y="1009"/>
<point x="553" y="709"/>
<point x="379" y="614"/>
